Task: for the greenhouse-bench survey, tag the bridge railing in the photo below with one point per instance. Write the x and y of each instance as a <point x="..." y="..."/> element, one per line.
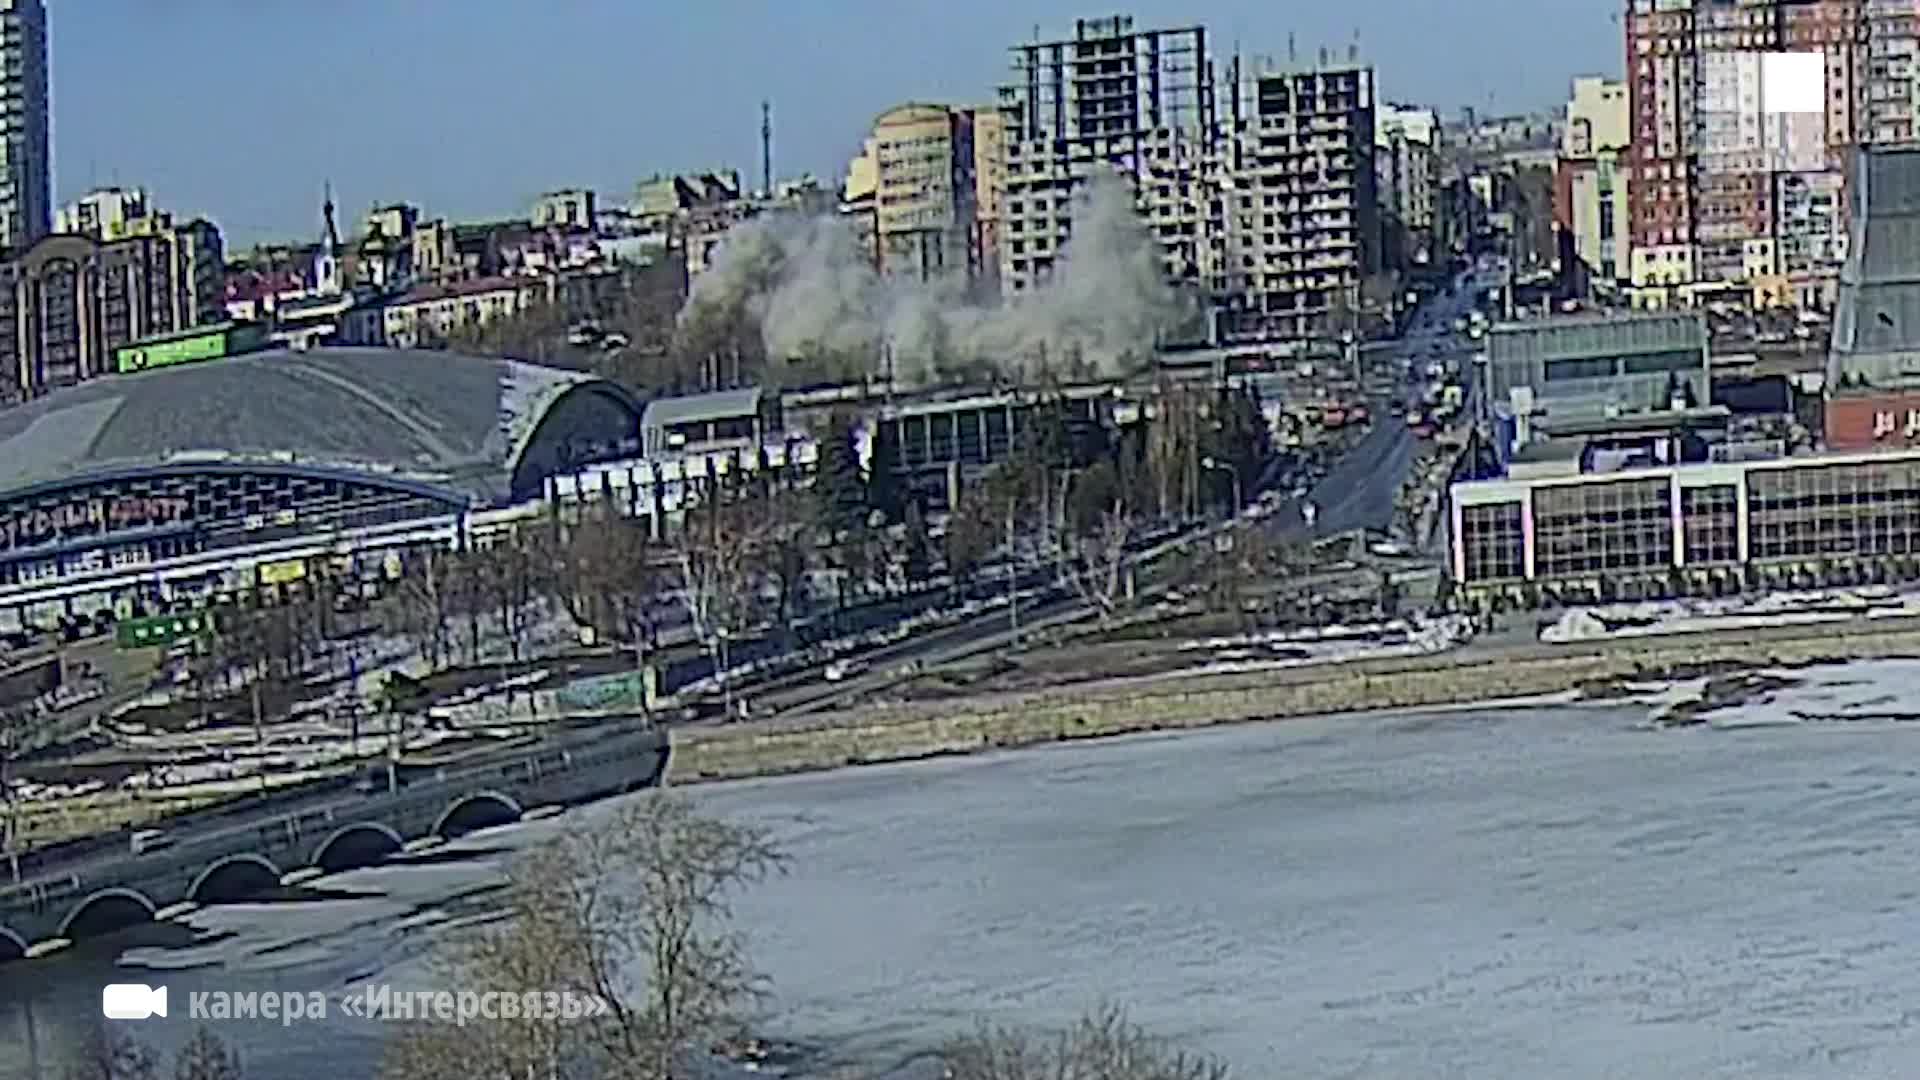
<point x="274" y="828"/>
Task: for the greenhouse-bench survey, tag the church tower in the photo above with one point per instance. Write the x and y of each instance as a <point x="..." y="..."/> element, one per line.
<point x="326" y="263"/>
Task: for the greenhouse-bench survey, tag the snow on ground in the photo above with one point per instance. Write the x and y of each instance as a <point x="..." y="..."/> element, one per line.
<point x="1336" y="644"/>
<point x="1652" y="618"/>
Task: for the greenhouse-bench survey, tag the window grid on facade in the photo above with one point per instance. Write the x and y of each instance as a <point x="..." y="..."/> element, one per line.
<point x="1493" y="541"/>
<point x="1589" y="529"/>
<point x="1866" y="508"/>
<point x="1710" y="518"/>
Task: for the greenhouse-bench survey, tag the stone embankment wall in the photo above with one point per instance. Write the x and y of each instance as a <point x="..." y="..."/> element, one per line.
<point x="1091" y="711"/>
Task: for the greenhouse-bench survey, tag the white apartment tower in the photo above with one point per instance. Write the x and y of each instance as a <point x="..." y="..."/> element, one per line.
<point x="1406" y="161"/>
<point x="1139" y="102"/>
<point x="26" y="183"/>
<point x="924" y="206"/>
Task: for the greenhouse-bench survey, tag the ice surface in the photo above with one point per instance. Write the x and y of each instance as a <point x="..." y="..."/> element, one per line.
<point x="1541" y="892"/>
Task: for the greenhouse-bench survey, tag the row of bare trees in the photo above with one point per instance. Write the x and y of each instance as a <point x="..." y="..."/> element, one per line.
<point x="1200" y="449"/>
<point x="105" y="1056"/>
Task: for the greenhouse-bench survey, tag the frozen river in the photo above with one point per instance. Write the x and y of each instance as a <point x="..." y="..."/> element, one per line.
<point x="1511" y="893"/>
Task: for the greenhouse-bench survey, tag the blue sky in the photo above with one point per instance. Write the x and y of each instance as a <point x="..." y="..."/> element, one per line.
<point x="240" y="109"/>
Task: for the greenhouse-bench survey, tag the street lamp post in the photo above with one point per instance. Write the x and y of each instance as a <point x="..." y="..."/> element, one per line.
<point x="1228" y="468"/>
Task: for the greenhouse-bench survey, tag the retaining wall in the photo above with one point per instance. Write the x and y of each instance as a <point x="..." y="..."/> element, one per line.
<point x="901" y="733"/>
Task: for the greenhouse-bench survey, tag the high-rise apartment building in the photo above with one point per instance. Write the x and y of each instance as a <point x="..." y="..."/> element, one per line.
<point x="26" y="162"/>
<point x="1744" y="118"/>
<point x="1592" y="180"/>
<point x="1115" y="98"/>
<point x="1890" y="71"/>
<point x="104" y="213"/>
<point x="1406" y="162"/>
<point x="924" y="192"/>
<point x="1301" y="199"/>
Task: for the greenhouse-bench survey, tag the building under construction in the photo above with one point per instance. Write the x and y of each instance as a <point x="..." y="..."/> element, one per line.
<point x="1110" y="97"/>
<point x="1302" y="225"/>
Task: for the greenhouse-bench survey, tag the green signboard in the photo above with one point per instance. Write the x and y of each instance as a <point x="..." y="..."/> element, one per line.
<point x="159" y="354"/>
<point x="161" y="630"/>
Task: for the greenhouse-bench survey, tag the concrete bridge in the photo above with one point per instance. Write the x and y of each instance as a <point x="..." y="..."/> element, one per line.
<point x="231" y="853"/>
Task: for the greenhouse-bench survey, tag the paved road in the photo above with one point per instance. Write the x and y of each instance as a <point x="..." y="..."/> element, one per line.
<point x="1360" y="491"/>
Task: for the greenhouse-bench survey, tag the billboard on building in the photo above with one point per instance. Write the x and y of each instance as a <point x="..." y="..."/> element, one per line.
<point x="283" y="573"/>
<point x="203" y="343"/>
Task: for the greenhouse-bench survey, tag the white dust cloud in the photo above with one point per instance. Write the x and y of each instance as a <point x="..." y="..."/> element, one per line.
<point x="815" y="294"/>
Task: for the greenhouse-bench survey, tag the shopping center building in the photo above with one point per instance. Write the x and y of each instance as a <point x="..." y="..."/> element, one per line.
<point x="145" y="492"/>
<point x="1708" y="527"/>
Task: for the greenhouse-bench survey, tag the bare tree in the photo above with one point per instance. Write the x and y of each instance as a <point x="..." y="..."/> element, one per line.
<point x="1104" y="1045"/>
<point x="1096" y="564"/>
<point x="105" y="1055"/>
<point x="635" y="913"/>
<point x="712" y="560"/>
<point x="790" y="537"/>
<point x="1097" y="529"/>
<point x="205" y="1057"/>
<point x="425" y="603"/>
<point x="514" y="574"/>
<point x="606" y="578"/>
<point x="969" y="537"/>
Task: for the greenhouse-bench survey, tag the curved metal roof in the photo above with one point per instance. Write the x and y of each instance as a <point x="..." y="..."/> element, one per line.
<point x="449" y="420"/>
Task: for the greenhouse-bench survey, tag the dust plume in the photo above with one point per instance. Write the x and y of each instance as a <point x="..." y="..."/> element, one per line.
<point x="815" y="296"/>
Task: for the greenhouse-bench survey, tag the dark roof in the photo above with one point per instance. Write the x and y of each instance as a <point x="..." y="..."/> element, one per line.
<point x="472" y="287"/>
<point x="697" y="408"/>
<point x="454" y="422"/>
<point x="1878" y="309"/>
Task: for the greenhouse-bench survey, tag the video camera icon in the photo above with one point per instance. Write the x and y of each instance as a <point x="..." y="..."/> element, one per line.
<point x="133" y="1001"/>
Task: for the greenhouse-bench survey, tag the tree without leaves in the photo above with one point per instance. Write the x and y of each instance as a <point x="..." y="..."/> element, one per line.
<point x="790" y="539"/>
<point x="514" y="576"/>
<point x="970" y="537"/>
<point x="635" y="913"/>
<point x="1103" y="1045"/>
<point x="712" y="557"/>
<point x="607" y="579"/>
<point x="423" y="604"/>
<point x="105" y="1055"/>
<point x="205" y="1057"/>
<point x="1097" y="527"/>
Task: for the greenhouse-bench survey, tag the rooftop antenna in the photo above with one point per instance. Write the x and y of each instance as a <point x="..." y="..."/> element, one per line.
<point x="1353" y="50"/>
<point x="766" y="147"/>
<point x="1323" y="56"/>
<point x="1293" y="55"/>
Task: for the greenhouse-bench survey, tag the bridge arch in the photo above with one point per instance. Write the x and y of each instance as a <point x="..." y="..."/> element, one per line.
<point x="12" y="945"/>
<point x="235" y="877"/>
<point x="477" y="810"/>
<point x="351" y="847"/>
<point x="106" y="911"/>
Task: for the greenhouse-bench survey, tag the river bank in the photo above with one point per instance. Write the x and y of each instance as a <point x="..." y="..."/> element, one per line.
<point x="1475" y="673"/>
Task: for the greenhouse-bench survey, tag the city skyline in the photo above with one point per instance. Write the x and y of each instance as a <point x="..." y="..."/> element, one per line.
<point x="300" y="98"/>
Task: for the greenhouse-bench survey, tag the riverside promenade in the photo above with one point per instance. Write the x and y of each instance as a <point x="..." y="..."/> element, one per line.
<point x="1100" y="709"/>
